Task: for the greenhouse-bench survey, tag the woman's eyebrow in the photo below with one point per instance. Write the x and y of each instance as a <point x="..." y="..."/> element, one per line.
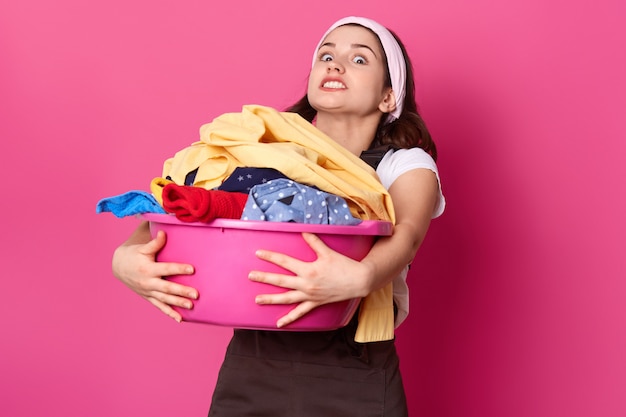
<point x="359" y="45"/>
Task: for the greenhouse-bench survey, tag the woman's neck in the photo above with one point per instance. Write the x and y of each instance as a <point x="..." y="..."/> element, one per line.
<point x="355" y="134"/>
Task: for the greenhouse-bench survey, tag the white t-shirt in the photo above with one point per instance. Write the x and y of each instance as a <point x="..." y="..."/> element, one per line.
<point x="394" y="164"/>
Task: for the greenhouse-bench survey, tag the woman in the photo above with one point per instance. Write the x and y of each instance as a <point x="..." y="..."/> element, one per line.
<point x="361" y="94"/>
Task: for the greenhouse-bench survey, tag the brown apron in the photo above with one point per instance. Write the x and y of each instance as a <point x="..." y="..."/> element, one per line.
<point x="302" y="374"/>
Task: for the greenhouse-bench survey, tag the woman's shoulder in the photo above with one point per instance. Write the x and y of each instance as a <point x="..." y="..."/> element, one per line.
<point x="407" y="159"/>
<point x="399" y="161"/>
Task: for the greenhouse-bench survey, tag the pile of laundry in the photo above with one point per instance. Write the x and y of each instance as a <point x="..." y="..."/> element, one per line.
<point x="261" y="164"/>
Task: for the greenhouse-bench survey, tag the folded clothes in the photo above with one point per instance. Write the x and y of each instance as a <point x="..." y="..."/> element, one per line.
<point x="130" y="203"/>
<point x="284" y="200"/>
<point x="191" y="204"/>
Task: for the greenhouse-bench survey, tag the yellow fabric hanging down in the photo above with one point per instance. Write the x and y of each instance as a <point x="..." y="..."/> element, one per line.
<point x="262" y="137"/>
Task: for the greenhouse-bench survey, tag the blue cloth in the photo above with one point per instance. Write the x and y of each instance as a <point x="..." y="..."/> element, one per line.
<point x="129" y="204"/>
<point x="244" y="178"/>
<point x="284" y="200"/>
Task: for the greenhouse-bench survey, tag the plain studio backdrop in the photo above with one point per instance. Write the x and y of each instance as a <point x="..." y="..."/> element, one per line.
<point x="517" y="295"/>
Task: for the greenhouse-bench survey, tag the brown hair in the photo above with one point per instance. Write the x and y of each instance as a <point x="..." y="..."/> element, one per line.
<point x="409" y="131"/>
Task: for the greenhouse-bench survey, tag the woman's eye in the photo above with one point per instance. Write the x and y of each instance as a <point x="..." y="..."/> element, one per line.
<point x="326" y="57"/>
<point x="359" y="60"/>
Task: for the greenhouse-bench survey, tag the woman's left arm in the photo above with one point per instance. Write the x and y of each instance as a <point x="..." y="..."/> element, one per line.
<point x="334" y="277"/>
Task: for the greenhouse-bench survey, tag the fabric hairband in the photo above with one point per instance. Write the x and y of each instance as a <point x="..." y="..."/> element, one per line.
<point x="393" y="52"/>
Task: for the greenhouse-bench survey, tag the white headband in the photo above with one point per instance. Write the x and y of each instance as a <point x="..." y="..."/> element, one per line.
<point x="393" y="52"/>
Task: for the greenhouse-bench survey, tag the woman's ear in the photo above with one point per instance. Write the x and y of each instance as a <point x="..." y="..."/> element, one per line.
<point x="388" y="104"/>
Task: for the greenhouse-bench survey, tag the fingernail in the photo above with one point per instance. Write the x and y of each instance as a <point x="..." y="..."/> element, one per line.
<point x="189" y="270"/>
<point x="251" y="275"/>
<point x="193" y="295"/>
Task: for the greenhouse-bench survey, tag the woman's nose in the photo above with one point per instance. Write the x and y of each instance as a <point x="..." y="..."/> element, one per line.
<point x="334" y="66"/>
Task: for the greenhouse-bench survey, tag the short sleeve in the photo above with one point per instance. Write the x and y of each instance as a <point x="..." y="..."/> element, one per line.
<point x="396" y="163"/>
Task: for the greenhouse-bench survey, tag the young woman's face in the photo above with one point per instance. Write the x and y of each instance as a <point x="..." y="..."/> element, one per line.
<point x="348" y="75"/>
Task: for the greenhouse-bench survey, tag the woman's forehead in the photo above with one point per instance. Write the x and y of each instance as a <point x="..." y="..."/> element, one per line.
<point x="353" y="34"/>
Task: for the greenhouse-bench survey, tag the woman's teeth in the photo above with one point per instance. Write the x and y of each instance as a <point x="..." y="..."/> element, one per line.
<point x="333" y="84"/>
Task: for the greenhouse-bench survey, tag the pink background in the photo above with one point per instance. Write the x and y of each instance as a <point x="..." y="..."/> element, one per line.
<point x="517" y="294"/>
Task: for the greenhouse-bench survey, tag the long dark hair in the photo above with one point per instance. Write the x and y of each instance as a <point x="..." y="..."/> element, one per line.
<point x="409" y="131"/>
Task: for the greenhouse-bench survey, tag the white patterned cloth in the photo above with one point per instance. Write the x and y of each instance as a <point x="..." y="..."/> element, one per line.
<point x="284" y="200"/>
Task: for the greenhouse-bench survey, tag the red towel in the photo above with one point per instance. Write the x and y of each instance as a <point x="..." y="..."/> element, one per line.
<point x="191" y="204"/>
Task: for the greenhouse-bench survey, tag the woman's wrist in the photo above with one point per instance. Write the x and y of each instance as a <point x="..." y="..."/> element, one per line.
<point x="368" y="282"/>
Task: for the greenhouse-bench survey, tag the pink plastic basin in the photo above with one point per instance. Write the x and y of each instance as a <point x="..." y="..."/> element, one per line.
<point x="223" y="253"/>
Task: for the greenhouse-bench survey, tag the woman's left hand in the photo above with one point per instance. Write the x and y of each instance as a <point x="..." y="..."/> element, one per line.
<point x="330" y="278"/>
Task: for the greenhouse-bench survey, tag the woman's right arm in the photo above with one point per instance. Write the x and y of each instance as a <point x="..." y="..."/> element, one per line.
<point x="134" y="263"/>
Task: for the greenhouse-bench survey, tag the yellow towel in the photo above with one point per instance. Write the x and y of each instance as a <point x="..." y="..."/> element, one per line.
<point x="376" y="318"/>
<point x="262" y="137"/>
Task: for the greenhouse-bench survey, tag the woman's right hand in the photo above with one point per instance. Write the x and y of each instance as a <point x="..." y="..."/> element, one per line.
<point x="134" y="263"/>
